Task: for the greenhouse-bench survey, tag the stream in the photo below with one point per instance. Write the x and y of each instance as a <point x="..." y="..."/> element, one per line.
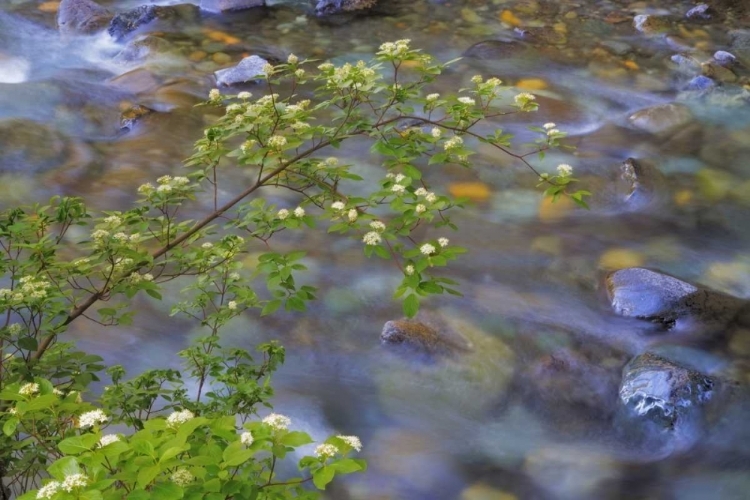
<point x="533" y="412"/>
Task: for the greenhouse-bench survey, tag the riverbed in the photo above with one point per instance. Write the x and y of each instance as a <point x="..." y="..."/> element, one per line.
<point x="507" y="422"/>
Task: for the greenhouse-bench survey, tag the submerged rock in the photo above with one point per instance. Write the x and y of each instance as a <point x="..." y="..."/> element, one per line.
<point x="229" y="5"/>
<point x="132" y="115"/>
<point x="650" y="24"/>
<point x="494" y="49"/>
<point x="81" y="17"/>
<point x="634" y="185"/>
<point x="701" y="12"/>
<point x="32" y="148"/>
<point x="247" y="71"/>
<point x="422" y="338"/>
<point x="127" y="22"/>
<point x="332" y="7"/>
<point x="641" y="293"/>
<point x="141" y="48"/>
<point x="662" y="118"/>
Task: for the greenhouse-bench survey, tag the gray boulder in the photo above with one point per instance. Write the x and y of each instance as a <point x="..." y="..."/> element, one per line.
<point x="229" y="5"/>
<point x="333" y="7"/>
<point x="247" y="71"/>
<point x="675" y="304"/>
<point x="81" y="17"/>
<point x="125" y="23"/>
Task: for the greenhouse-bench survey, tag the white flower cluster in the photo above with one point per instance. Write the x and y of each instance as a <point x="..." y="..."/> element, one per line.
<point x="432" y="97"/>
<point x="276" y="141"/>
<point x="232" y="305"/>
<point x="352" y="441"/>
<point x="477" y="79"/>
<point x="14" y="328"/>
<point x="136" y="277"/>
<point x="338" y="205"/>
<point x="108" y="439"/>
<point x="244" y="95"/>
<point x="300" y="73"/>
<point x="523" y="99"/>
<point x="453" y="143"/>
<point x="352" y="215"/>
<point x="74" y="481"/>
<point x="427" y="249"/>
<point x="277" y="422"/>
<point x="377" y="226"/>
<point x="372" y="238"/>
<point x="246" y="438"/>
<point x="408" y="270"/>
<point x="429" y="196"/>
<point x="564" y="170"/>
<point x="92" y="418"/>
<point x="326" y="451"/>
<point x="178" y="418"/>
<point x="30" y="288"/>
<point x="420" y="208"/>
<point x="550" y="128"/>
<point x="29" y="389"/>
<point x="214" y="95"/>
<point x="398" y="48"/>
<point x="182" y="477"/>
<point x="49" y="490"/>
<point x="436" y="132"/>
<point x="467" y="100"/>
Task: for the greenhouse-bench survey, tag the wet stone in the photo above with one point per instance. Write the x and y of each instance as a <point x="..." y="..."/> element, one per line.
<point x="141" y="48"/>
<point x="125" y="23"/>
<point x="650" y="24"/>
<point x="81" y="17"/>
<point x="247" y="71"/>
<point x="662" y="118"/>
<point x="725" y="58"/>
<point x="700" y="83"/>
<point x="665" y="300"/>
<point x="701" y="12"/>
<point x="493" y="50"/>
<point x="655" y="388"/>
<point x="230" y="5"/>
<point x="333" y="7"/>
<point x="718" y="72"/>
<point x="132" y="115"/>
<point x="423" y="338"/>
<point x="32" y="148"/>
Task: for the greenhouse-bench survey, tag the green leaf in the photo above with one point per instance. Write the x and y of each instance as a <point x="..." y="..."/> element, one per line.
<point x="91" y="495"/>
<point x="213" y="485"/>
<point x="236" y="454"/>
<point x="66" y="466"/>
<point x="323" y="476"/>
<point x="147" y="474"/>
<point x="187" y="428"/>
<point x="39" y="403"/>
<point x="271" y="307"/>
<point x="347" y="466"/>
<point x="295" y="439"/>
<point x="9" y="427"/>
<point x="75" y="445"/>
<point x="153" y="293"/>
<point x="139" y="495"/>
<point x="28" y="343"/>
<point x="173" y="452"/>
<point x="167" y="491"/>
<point x="411" y="306"/>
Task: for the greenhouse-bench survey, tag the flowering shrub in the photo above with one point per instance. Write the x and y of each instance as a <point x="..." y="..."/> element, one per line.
<point x="169" y="442"/>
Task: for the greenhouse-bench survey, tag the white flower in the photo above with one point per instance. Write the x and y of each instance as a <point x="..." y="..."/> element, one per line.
<point x="244" y="95"/>
<point x="494" y="82"/>
<point x="232" y="305"/>
<point x="74" y="481"/>
<point x="420" y="208"/>
<point x="134" y="238"/>
<point x="164" y="188"/>
<point x="326" y="451"/>
<point x="234" y="276"/>
<point x="398" y="188"/>
<point x="300" y="73"/>
<point x="390" y="175"/>
<point x="372" y="238"/>
<point x="277" y="422"/>
<point x="421" y="192"/>
<point x="147" y="188"/>
<point x="408" y="270"/>
<point x="49" y="490"/>
<point x="246" y="438"/>
<point x="549" y="125"/>
<point x="476" y="79"/>
<point x="268" y="69"/>
<point x="214" y="95"/>
<point x="400" y="177"/>
<point x="207" y="245"/>
<point x="164" y="179"/>
<point x="453" y="143"/>
<point x="427" y="249"/>
<point x="120" y="237"/>
<point x="15" y="328"/>
<point x="276" y="141"/>
<point x="523" y="98"/>
<point x="148" y="277"/>
<point x="553" y="131"/>
<point x="378" y="226"/>
<point x="436" y="132"/>
<point x="325" y="67"/>
<point x="29" y="389"/>
<point x="564" y="169"/>
<point x="92" y="418"/>
<point x="352" y="215"/>
<point x="182" y="477"/>
<point x="338" y="205"/>
<point x="234" y="108"/>
<point x="332" y="161"/>
<point x="430" y="197"/>
<point x="299" y="212"/>
<point x="113" y="220"/>
<point x="58" y="392"/>
<point x="432" y="97"/>
<point x="292" y="59"/>
<point x="354" y="441"/>
<point x="178" y="418"/>
<point x="180" y="181"/>
<point x="443" y="242"/>
<point x="282" y="214"/>
<point x="108" y="439"/>
<point x="467" y="100"/>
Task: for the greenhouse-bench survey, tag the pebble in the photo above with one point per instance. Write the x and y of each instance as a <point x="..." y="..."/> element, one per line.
<point x="475" y="191"/>
<point x="552" y="211"/>
<point x="700" y="83"/>
<point x="221" y="58"/>
<point x="619" y="258"/>
<point x="724" y="58"/>
<point x="717" y="72"/>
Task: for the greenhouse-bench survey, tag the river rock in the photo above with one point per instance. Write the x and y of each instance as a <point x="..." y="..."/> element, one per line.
<point x="650" y="24"/>
<point x="332" y="7"/>
<point x="634" y="185"/>
<point x="132" y="115"/>
<point x="740" y="44"/>
<point x="125" y="23"/>
<point x="142" y="48"/>
<point x="724" y="58"/>
<point x="701" y="12"/>
<point x="492" y="50"/>
<point x="663" y="402"/>
<point x="81" y="17"/>
<point x="718" y="72"/>
<point x="229" y="5"/>
<point x="33" y="148"/>
<point x="700" y="84"/>
<point x="665" y="300"/>
<point x="247" y="71"/>
<point x="442" y="362"/>
<point x="662" y="118"/>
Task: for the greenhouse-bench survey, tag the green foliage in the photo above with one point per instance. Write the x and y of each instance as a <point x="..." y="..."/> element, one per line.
<point x="211" y="444"/>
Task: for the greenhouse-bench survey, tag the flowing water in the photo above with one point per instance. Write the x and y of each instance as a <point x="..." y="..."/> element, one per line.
<point x="499" y="423"/>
